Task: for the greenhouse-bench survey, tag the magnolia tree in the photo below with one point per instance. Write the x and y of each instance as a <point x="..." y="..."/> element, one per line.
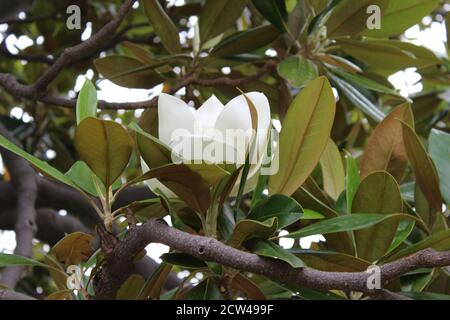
<point x="267" y="121"/>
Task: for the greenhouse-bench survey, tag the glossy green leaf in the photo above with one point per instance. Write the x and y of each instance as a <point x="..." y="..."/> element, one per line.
<point x="439" y="241"/>
<point x="378" y="193"/>
<point x="83" y="176"/>
<point x="246" y="41"/>
<point x="185" y="183"/>
<point x="205" y="290"/>
<point x="366" y="82"/>
<point x="297" y="70"/>
<point x="127" y="72"/>
<point x="130" y="288"/>
<point x="400" y="15"/>
<point x="217" y="16"/>
<point x="16" y="260"/>
<point x="86" y="102"/>
<point x="311" y="215"/>
<point x="304" y="136"/>
<point x="246" y="229"/>
<point x="285" y="209"/>
<point x="424" y="169"/>
<point x="389" y="55"/>
<point x="385" y="148"/>
<point x="352" y="180"/>
<point x="40" y="165"/>
<point x="358" y="99"/>
<point x="332" y="170"/>
<point x="344" y="223"/>
<point x="439" y="148"/>
<point x="105" y="146"/>
<point x="163" y="26"/>
<point x="274" y="11"/>
<point x="154" y="285"/>
<point x="349" y="17"/>
<point x="266" y="248"/>
<point x="331" y="261"/>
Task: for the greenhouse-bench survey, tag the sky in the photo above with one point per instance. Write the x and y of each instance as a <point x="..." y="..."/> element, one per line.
<point x="407" y="81"/>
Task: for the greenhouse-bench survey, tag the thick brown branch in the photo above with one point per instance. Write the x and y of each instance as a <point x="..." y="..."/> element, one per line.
<point x="13" y="295"/>
<point x="24" y="182"/>
<point x="120" y="260"/>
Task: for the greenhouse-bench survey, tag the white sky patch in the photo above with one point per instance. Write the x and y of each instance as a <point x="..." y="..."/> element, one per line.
<point x="432" y="37"/>
<point x="7" y="241"/>
<point x="306" y="242"/>
<point x="407" y="81"/>
<point x="114" y="93"/>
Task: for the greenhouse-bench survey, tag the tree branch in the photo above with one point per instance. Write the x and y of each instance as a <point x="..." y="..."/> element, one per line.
<point x="119" y="262"/>
<point x="13" y="295"/>
<point x="24" y="181"/>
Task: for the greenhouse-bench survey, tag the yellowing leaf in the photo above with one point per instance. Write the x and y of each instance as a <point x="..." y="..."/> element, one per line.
<point x="423" y="166"/>
<point x="385" y="149"/>
<point x="332" y="170"/>
<point x="304" y="136"/>
<point x="105" y="146"/>
<point x="73" y="248"/>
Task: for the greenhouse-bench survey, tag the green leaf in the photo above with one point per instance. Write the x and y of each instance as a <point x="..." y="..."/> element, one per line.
<point x="358" y="99"/>
<point x="285" y="209"/>
<point x="15" y="260"/>
<point x="400" y="15"/>
<point x="245" y="41"/>
<point x="217" y="16"/>
<point x="390" y="55"/>
<point x="366" y="82"/>
<point x="127" y="72"/>
<point x="439" y="241"/>
<point x="331" y="261"/>
<point x="439" y="148"/>
<point x="154" y="284"/>
<point x="297" y="70"/>
<point x="349" y="17"/>
<point x="183" y="260"/>
<point x="83" y="177"/>
<point x="385" y="148"/>
<point x="163" y="26"/>
<point x="304" y="136"/>
<point x="246" y="229"/>
<point x="403" y="231"/>
<point x="424" y="169"/>
<point x="352" y="180"/>
<point x="274" y="11"/>
<point x="311" y="215"/>
<point x="40" y="165"/>
<point x="332" y="170"/>
<point x="105" y="146"/>
<point x="185" y="183"/>
<point x="344" y="223"/>
<point x="378" y="193"/>
<point x="130" y="288"/>
<point x="266" y="248"/>
<point x="205" y="290"/>
<point x="86" y="102"/>
<point x="154" y="152"/>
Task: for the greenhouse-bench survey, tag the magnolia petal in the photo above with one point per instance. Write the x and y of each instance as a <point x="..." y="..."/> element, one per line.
<point x="174" y="118"/>
<point x="208" y="113"/>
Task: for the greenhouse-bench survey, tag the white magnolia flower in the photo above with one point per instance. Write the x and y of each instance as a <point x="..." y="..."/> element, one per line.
<point x="200" y="134"/>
